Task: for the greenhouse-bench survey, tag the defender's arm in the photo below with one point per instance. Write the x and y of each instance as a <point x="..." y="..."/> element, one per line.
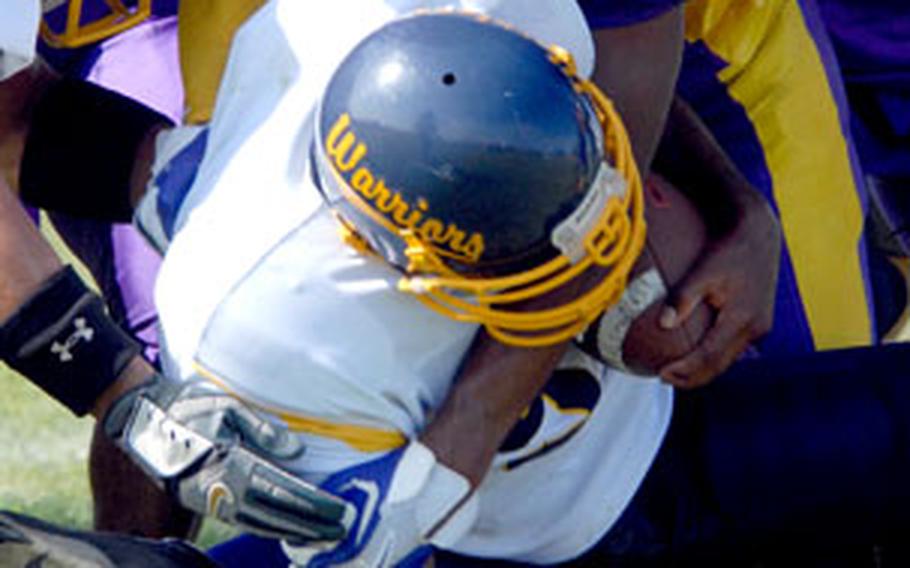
<point x="737" y="273"/>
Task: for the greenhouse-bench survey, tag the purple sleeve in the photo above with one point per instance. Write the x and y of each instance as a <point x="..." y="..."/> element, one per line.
<point x="872" y="40"/>
<point x="618" y="13"/>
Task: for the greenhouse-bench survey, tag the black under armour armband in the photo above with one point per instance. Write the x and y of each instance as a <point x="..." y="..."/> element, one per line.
<point x="81" y="148"/>
<point x="63" y="341"/>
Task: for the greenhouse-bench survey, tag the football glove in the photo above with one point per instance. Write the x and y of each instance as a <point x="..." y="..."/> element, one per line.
<point x="406" y="503"/>
<point x="219" y="458"/>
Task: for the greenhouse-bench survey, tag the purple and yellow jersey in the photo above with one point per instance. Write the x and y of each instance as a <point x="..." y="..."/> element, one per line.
<point x="872" y="41"/>
<point x="65" y="38"/>
<point x="206" y="30"/>
<point x="760" y="75"/>
<point x="139" y="62"/>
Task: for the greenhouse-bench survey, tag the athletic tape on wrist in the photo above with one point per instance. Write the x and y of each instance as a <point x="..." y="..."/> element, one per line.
<point x="76" y="124"/>
<point x="445" y="508"/>
<point x="611" y="329"/>
<point x="63" y="341"/>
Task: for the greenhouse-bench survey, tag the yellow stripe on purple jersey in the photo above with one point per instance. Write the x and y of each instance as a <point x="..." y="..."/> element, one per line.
<point x="760" y="75"/>
<point x="206" y="30"/>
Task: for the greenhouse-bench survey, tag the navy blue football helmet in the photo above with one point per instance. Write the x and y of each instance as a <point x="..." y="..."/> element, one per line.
<point x="477" y="162"/>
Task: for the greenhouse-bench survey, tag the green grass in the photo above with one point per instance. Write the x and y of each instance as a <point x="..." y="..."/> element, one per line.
<point x="43" y="451"/>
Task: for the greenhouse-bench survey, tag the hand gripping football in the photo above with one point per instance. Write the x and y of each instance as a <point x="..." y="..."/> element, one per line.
<point x="628" y="335"/>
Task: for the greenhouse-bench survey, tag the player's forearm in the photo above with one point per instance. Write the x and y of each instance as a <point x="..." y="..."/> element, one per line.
<point x="496" y="385"/>
<point x="63" y="341"/>
<point x="31" y="268"/>
<point x="53" y="329"/>
<point x="25" y="258"/>
<point x="18" y="96"/>
<point x="136" y="373"/>
<point x="637" y="67"/>
<point x="28" y="265"/>
<point x="694" y="161"/>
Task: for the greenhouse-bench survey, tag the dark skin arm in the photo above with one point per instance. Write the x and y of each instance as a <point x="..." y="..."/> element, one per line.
<point x="26" y="257"/>
<point x="737" y="273"/>
<point x="495" y="386"/>
<point x="18" y="95"/>
<point x="637" y="67"/>
<point x="29" y="261"/>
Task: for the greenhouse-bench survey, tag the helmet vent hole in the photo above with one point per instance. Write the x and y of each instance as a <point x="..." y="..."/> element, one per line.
<point x="448" y="79"/>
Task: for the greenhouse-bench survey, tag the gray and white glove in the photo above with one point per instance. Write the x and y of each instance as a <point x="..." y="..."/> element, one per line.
<point x="219" y="457"/>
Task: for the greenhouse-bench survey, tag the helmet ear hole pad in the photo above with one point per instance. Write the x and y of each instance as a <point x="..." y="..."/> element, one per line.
<point x="606" y="232"/>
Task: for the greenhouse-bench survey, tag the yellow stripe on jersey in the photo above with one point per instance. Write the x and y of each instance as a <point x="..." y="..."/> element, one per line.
<point x="206" y="28"/>
<point x="362" y="438"/>
<point x="734" y="28"/>
<point x="777" y="75"/>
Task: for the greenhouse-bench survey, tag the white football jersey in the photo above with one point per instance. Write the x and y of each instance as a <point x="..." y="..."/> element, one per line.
<point x="18" y="34"/>
<point x="259" y="294"/>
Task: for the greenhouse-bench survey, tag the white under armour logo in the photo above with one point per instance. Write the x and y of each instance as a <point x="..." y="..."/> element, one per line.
<point x="64" y="350"/>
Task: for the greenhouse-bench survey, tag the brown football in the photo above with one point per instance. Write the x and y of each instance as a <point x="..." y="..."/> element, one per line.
<point x="676" y="236"/>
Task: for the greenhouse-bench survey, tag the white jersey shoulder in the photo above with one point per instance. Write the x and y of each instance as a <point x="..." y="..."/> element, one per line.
<point x="257" y="292"/>
<point x="18" y="34"/>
